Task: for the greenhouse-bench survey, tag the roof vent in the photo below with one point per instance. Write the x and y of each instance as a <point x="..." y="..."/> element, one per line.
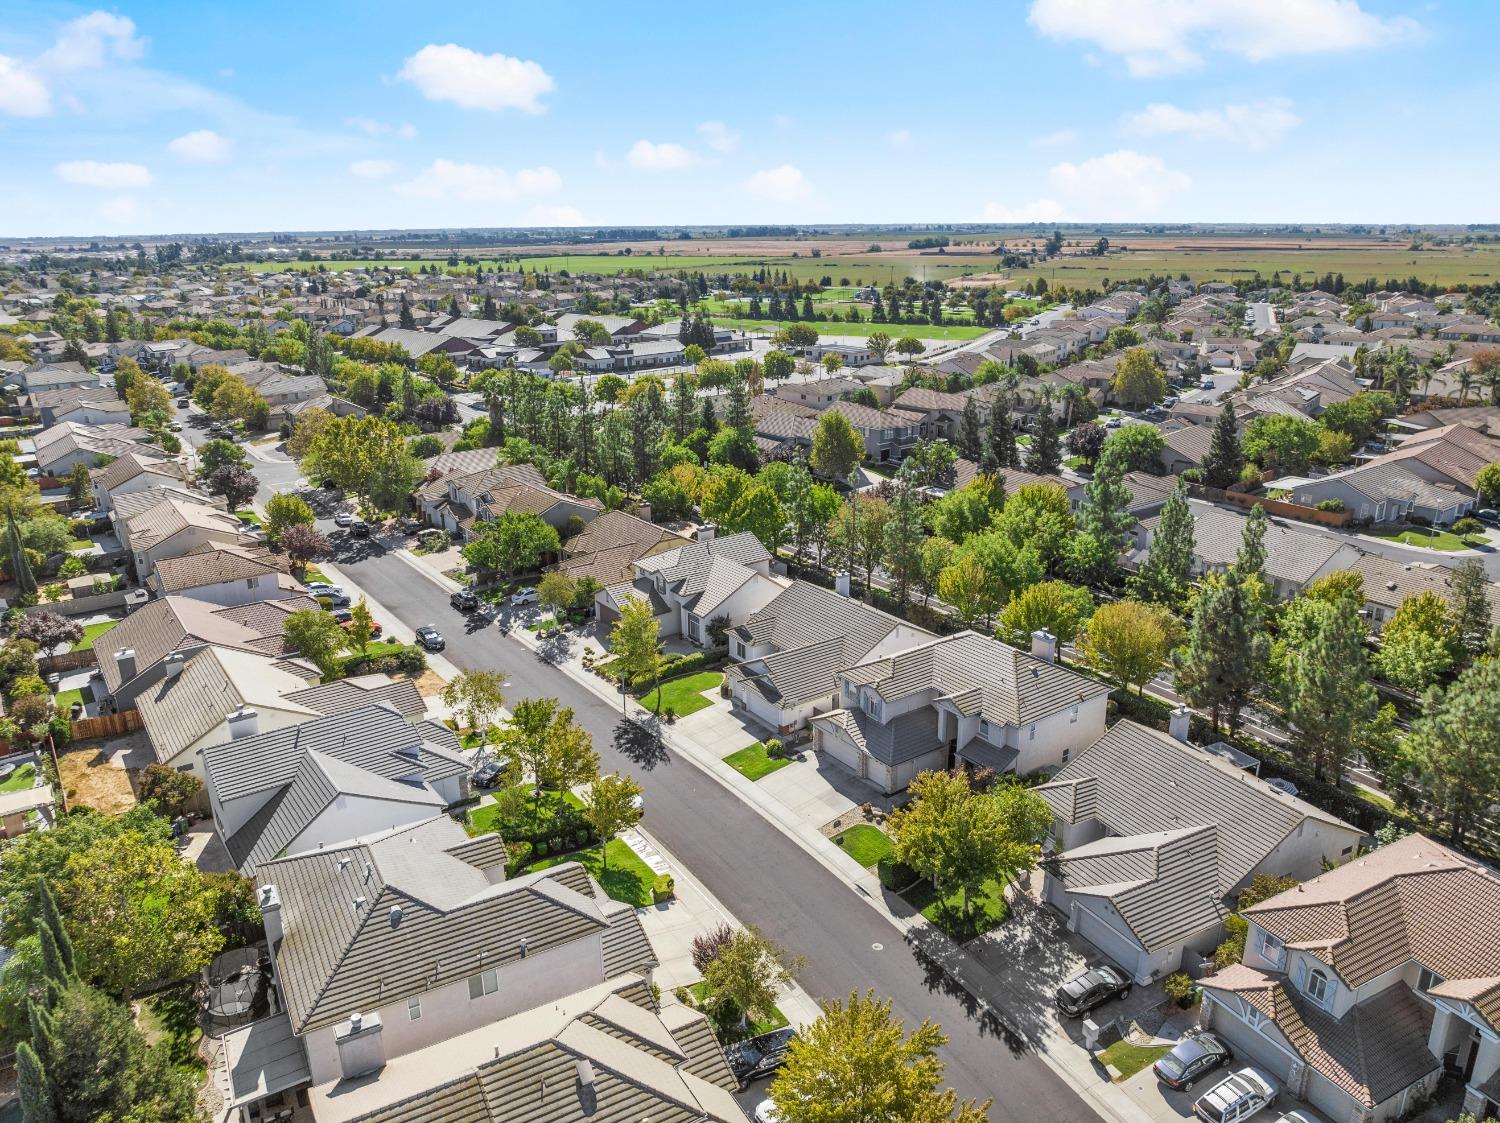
<point x="1391" y="585"/>
<point x="344" y="861"/>
<point x="523" y="947"/>
<point x="359" y="903"/>
<point x="585" y="1072"/>
<point x="395" y="916"/>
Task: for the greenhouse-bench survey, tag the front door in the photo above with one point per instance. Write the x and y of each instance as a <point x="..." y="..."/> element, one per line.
<point x="1470" y="1056"/>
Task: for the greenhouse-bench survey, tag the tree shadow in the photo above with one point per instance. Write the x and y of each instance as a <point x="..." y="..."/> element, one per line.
<point x="640" y="742"/>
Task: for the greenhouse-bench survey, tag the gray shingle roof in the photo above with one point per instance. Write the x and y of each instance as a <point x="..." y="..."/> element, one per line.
<point x="903" y="738"/>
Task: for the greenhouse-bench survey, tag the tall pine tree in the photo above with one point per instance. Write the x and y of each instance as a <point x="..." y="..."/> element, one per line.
<point x="1169" y="565"/>
<point x="1327" y="698"/>
<point x="1044" y="457"/>
<point x="1000" y="447"/>
<point x="970" y="434"/>
<point x="1219" y="667"/>
<point x="1225" y="461"/>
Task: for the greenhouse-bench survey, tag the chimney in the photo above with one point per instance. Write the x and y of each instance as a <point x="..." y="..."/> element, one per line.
<point x="706" y="532"/>
<point x="361" y="1049"/>
<point x="172" y="664"/>
<point x="270" y="911"/>
<point x="243" y="722"/>
<point x="1179" y="724"/>
<point x="125" y="663"/>
<point x="585" y="1072"/>
<point x="841" y="583"/>
<point x="1044" y="645"/>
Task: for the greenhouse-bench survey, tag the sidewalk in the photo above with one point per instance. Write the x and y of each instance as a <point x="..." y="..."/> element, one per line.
<point x="1015" y="1006"/>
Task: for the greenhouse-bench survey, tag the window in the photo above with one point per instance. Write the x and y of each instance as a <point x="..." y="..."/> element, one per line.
<point x="414" y="1008"/>
<point x="1427" y="980"/>
<point x="486" y="982"/>
<point x="984" y="727"/>
<point x="1271" y="949"/>
<point x="1031" y="732"/>
<point x="872" y="706"/>
<point x="1317" y="987"/>
<point x="251" y="582"/>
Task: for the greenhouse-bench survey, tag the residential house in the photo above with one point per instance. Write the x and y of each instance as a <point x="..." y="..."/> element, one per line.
<point x="1387" y="584"/>
<point x="941" y="413"/>
<point x="135" y="472"/>
<point x="308" y="783"/>
<point x="819" y="393"/>
<point x="608" y="547"/>
<point x="1155" y="837"/>
<point x="1186" y="447"/>
<point x="458" y="501"/>
<point x="888" y="434"/>
<point x="852" y="354"/>
<point x="225" y="576"/>
<point x="697" y="584"/>
<point x="789" y="655"/>
<point x="964" y="699"/>
<point x="85" y="405"/>
<point x="1360" y="988"/>
<point x="1451" y="456"/>
<point x="172" y="526"/>
<point x="68" y="443"/>
<point x="1382" y="491"/>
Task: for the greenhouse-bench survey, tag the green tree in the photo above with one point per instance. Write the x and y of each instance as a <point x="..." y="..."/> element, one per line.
<point x="1051" y="606"/>
<point x="636" y="643"/>
<point x="778" y="366"/>
<point x="1487" y="483"/>
<point x="970" y="431"/>
<point x="546" y="746"/>
<point x="1280" y="443"/>
<point x="904" y="535"/>
<point x="79" y="483"/>
<point x="611" y="805"/>
<point x="219" y="453"/>
<point x="1129" y="642"/>
<point x="361" y="627"/>
<point x="836" y="448"/>
<point x="1133" y="448"/>
<point x="366" y="457"/>
<point x="879" y="344"/>
<point x="1044" y="455"/>
<point x="1327" y="699"/>
<point x="1454" y="748"/>
<point x="1139" y="380"/>
<point x="966" y="586"/>
<point x="1224" y="462"/>
<point x="283" y="511"/>
<point x="557" y="592"/>
<point x="316" y="636"/>
<point x="999" y="449"/>
<point x="965" y="511"/>
<point x="20" y="564"/>
<point x="1168" y="571"/>
<point x="477" y="697"/>
<point x="759" y="511"/>
<point x="1420" y="645"/>
<point x="935" y="556"/>
<point x="1226" y="650"/>
<point x="512" y="543"/>
<point x="1038" y="515"/>
<point x="170" y="790"/>
<point x="857" y="1064"/>
<point x="1104" y="519"/>
<point x="1471" y="607"/>
<point x="750" y="973"/>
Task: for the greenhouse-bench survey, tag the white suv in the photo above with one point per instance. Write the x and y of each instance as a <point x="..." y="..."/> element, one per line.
<point x="1236" y="1097"/>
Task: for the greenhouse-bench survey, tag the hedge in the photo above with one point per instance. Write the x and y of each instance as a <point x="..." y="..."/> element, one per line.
<point x="680" y="665"/>
<point x="895" y="876"/>
<point x="409" y="660"/>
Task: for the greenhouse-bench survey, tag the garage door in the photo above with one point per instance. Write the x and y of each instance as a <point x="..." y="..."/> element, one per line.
<point x="838" y="748"/>
<point x="1251" y="1045"/>
<point x="1113" y="944"/>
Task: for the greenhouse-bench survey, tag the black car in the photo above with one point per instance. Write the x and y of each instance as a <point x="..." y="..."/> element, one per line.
<point x="464" y="601"/>
<point x="1095" y="987"/>
<point x="759" y="1056"/>
<point x="430" y="638"/>
<point x="359" y="528"/>
<point x="488" y="774"/>
<point x="1191" y="1059"/>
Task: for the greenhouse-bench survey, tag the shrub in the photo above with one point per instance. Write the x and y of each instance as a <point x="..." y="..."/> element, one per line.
<point x="774" y="747"/>
<point x="518" y="854"/>
<point x="683" y="995"/>
<point x="539" y="849"/>
<point x="1467" y="526"/>
<point x="71" y="568"/>
<point x="1329" y="505"/>
<point x="895" y="875"/>
<point x="28" y="685"/>
<point x="80" y="528"/>
<point x="663" y="888"/>
<point x="1179" y="988"/>
<point x="706" y="947"/>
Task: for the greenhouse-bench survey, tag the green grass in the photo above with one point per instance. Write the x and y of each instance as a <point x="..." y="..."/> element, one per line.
<point x="21" y="779"/>
<point x="1431" y="539"/>
<point x="683" y="695"/>
<point x="1129" y="1059"/>
<point x="865" y="844"/>
<point x="987" y="909"/>
<point x="80" y="544"/>
<point x="313" y="573"/>
<point x="66" y="698"/>
<point x="169" y="1021"/>
<point x="752" y="762"/>
<point x="626" y="878"/>
<point x="92" y="632"/>
<point x="536" y="817"/>
<point x="703" y="998"/>
<point x="249" y="516"/>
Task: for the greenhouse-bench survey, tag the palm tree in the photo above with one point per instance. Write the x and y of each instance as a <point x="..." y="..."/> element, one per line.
<point x="1465" y="378"/>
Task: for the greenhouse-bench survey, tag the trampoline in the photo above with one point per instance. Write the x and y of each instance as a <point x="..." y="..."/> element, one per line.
<point x="237" y="987"/>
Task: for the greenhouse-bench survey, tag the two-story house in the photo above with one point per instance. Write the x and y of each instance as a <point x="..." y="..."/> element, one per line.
<point x="888" y="434"/>
<point x="459" y="500"/>
<point x="133" y="473"/>
<point x="1361" y="987"/>
<point x="962" y="700"/>
<point x="1154" y="837"/>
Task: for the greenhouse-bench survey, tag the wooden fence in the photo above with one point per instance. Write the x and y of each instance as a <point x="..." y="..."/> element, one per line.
<point x="1273" y="506"/>
<point x="108" y="725"/>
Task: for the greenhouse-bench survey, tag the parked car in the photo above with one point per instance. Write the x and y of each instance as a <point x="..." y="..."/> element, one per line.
<point x="359" y="528"/>
<point x="318" y="588"/>
<point x="342" y="615"/>
<point x="765" y="1112"/>
<point x="332" y="600"/>
<point x="759" y="1056"/>
<point x="1191" y="1059"/>
<point x="1486" y="515"/>
<point x="464" y="600"/>
<point x="430" y="638"/>
<point x="411" y="526"/>
<point x="525" y="595"/>
<point x="343" y="518"/>
<point x="1112" y="423"/>
<point x="1299" y="1115"/>
<point x="1095" y="987"/>
<point x="487" y="775"/>
<point x="1236" y="1098"/>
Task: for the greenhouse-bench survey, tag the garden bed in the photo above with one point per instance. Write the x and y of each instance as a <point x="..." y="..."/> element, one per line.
<point x="729" y="1031"/>
<point x="538" y="819"/>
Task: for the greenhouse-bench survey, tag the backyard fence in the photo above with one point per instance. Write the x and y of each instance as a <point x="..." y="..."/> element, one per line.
<point x="107" y="725"/>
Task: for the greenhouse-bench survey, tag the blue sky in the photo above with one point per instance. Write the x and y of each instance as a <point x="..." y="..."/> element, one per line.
<point x="168" y="117"/>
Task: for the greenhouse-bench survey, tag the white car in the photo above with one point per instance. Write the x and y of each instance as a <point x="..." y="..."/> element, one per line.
<point x="1236" y="1098"/>
<point x="1300" y="1115"/>
<point x="324" y="589"/>
<point x="765" y="1112"/>
<point x="524" y="596"/>
<point x="343" y="518"/>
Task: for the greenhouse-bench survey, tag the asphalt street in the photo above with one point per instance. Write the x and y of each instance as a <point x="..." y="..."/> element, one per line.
<point x="760" y="875"/>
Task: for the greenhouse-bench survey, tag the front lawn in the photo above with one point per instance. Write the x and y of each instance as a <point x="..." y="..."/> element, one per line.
<point x="169" y="1020"/>
<point x="703" y="998"/>
<point x="864" y="843"/>
<point x="1128" y="1059"/>
<point x="626" y="878"/>
<point x="987" y="909"/>
<point x="683" y="695"/>
<point x="21" y="779"/>
<point x="248" y="516"/>
<point x="535" y="816"/>
<point x="1430" y="539"/>
<point x="93" y="631"/>
<point x="752" y="762"/>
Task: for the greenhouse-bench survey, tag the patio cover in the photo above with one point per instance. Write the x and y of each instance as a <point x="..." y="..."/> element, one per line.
<point x="264" y="1058"/>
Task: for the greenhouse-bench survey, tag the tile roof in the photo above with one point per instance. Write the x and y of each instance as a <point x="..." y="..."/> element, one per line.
<point x="903" y="738"/>
<point x="168" y="517"/>
<point x="214" y="566"/>
<point x="1294" y="553"/>
<point x="351" y="693"/>
<point x="610" y="543"/>
<point x="125" y="468"/>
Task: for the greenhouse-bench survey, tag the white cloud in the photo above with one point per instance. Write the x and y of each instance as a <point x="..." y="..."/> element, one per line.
<point x="204" y="146"/>
<point x="1056" y="139"/>
<point x="89" y="173"/>
<point x="22" y="93"/>
<point x="1167" y="36"/>
<point x="1041" y="210"/>
<point x="479" y="183"/>
<point x="475" y="81"/>
<point x="719" y="136"/>
<point x="1257" y="126"/>
<point x="898" y="138"/>
<point x="372" y="169"/>
<point x="122" y="208"/>
<point x="370" y="127"/>
<point x="555" y="216"/>
<point x="665" y="157"/>
<point x="1124" y="185"/>
<point x="785" y="184"/>
<point x="88" y="42"/>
